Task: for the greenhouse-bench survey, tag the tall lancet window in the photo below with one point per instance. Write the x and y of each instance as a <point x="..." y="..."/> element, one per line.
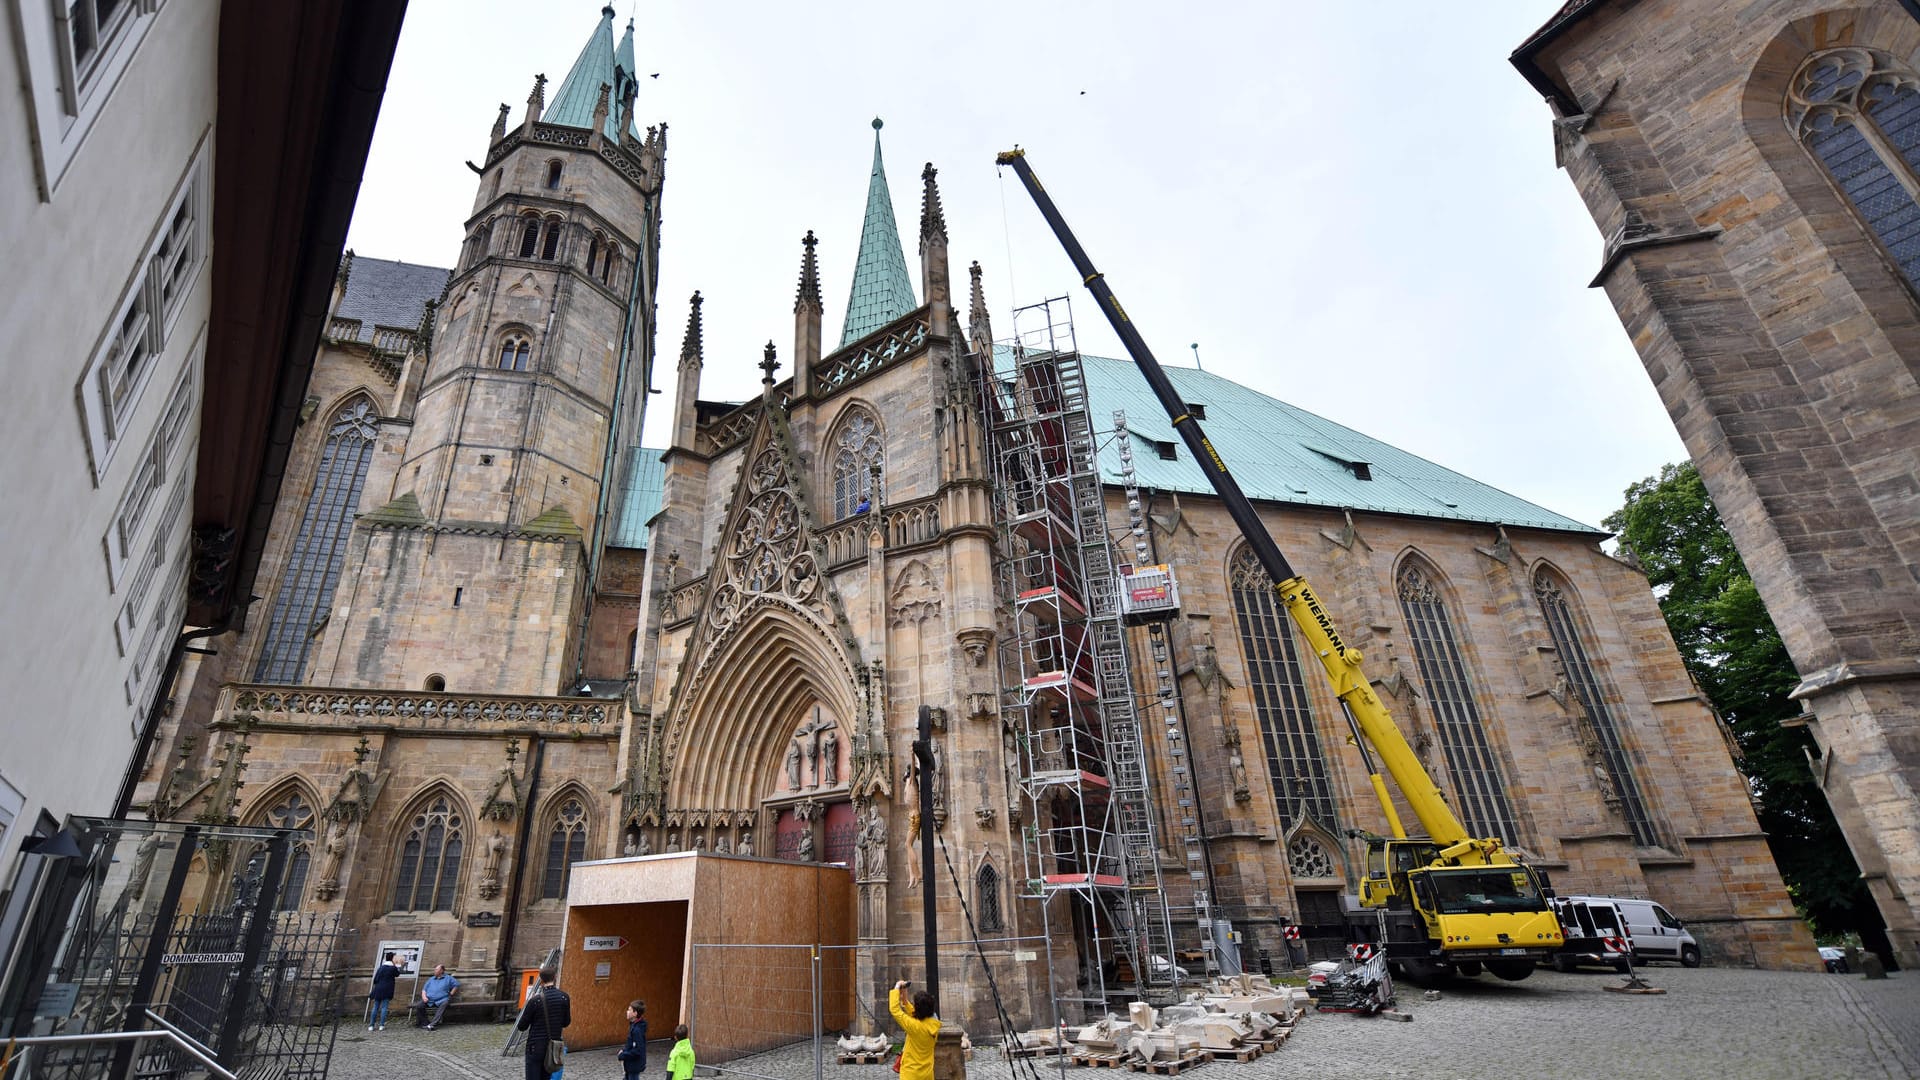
<point x="566" y="845"/>
<point x="1479" y="794"/>
<point x="857" y="455"/>
<point x="320" y="547"/>
<point x="1295" y="764"/>
<point x="1618" y="784"/>
<point x="1858" y="112"/>
<point x="429" y="870"/>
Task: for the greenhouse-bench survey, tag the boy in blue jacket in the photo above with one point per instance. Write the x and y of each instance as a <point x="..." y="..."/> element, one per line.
<point x="634" y="1054"/>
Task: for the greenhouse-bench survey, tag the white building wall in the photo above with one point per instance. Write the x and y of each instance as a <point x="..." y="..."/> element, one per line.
<point x="105" y="196"/>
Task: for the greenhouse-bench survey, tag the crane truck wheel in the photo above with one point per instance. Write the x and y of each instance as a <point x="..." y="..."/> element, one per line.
<point x="1422" y="973"/>
<point x="1510" y="970"/>
<point x="1468" y="967"/>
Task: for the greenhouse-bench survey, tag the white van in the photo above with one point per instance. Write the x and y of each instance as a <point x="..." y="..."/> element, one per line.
<point x="1656" y="934"/>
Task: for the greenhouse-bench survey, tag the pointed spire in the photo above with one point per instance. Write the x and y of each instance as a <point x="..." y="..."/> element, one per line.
<point x="881" y="292"/>
<point x="574" y="104"/>
<point x="768" y="365"/>
<point x="933" y="223"/>
<point x="597" y="130"/>
<point x="979" y="326"/>
<point x="536" y="102"/>
<point x="690" y="346"/>
<point x="499" y="125"/>
<point x="806" y="319"/>
<point x="809" y="294"/>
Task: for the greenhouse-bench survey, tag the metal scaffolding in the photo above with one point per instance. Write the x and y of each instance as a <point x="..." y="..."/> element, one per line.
<point x="1067" y="690"/>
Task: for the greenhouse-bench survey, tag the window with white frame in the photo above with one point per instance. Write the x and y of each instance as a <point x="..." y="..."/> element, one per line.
<point x="133" y="345"/>
<point x="159" y="467"/>
<point x="74" y="52"/>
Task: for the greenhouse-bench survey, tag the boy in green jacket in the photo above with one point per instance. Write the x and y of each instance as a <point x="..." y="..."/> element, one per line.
<point x="680" y="1062"/>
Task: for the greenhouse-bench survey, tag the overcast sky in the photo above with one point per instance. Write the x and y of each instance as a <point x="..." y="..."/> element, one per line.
<point x="1354" y="210"/>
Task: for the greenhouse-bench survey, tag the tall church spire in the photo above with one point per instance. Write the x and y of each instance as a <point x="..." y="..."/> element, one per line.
<point x="686" y="410"/>
<point x="575" y="102"/>
<point x="882" y="291"/>
<point x="806" y="319"/>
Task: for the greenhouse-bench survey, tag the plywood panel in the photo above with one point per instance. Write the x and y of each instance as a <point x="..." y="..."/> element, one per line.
<point x="651" y="966"/>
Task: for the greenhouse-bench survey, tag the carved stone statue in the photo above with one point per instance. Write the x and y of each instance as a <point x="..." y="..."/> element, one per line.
<point x="646" y="844"/>
<point x="673" y="841"/>
<point x="746" y="843"/>
<point x="830" y="756"/>
<point x="813" y="755"/>
<point x="793" y="764"/>
<point x="806" y="844"/>
<point x="722" y="846"/>
<point x="333" y="851"/>
<point x="700" y="842"/>
<point x="493" y="850"/>
<point x="870" y="850"/>
<point x="632" y="847"/>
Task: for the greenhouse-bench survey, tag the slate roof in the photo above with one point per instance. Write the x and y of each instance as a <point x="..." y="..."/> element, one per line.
<point x="382" y="292"/>
<point x="639" y="497"/>
<point x="882" y="291"/>
<point x="1280" y="453"/>
<point x="579" y="93"/>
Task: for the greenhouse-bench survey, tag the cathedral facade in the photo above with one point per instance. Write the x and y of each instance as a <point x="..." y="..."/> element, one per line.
<point x="499" y="638"/>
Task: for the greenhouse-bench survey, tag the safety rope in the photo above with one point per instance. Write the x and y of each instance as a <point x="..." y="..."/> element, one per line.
<point x="1009" y="1041"/>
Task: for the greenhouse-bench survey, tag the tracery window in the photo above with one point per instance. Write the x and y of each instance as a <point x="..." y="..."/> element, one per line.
<point x="514" y="351"/>
<point x="291" y="811"/>
<point x="1295" y="765"/>
<point x="566" y="845"/>
<point x="1858" y="112"/>
<point x="320" y="547"/>
<point x="429" y="870"/>
<point x="1586" y="690"/>
<point x="1307" y="858"/>
<point x="1480" y="795"/>
<point x="986" y="899"/>
<point x="857" y="453"/>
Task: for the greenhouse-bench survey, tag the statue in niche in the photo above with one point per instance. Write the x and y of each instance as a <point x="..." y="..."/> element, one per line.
<point x="700" y="842"/>
<point x="830" y="756"/>
<point x="806" y="844"/>
<point x="673" y="841"/>
<point x="793" y="764"/>
<point x="813" y="754"/>
<point x="493" y="850"/>
<point x="870" y="851"/>
<point x="746" y="844"/>
<point x="632" y="847"/>
<point x="646" y="844"/>
<point x="722" y="847"/>
<point x="333" y="851"/>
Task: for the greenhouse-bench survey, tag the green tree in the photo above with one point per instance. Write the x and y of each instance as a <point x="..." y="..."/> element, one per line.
<point x="1731" y="647"/>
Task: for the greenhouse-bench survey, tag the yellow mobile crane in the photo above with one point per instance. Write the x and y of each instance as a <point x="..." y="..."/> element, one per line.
<point x="1436" y="904"/>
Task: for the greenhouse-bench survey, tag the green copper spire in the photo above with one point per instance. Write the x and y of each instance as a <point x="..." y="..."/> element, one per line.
<point x="882" y="292"/>
<point x="574" y="102"/>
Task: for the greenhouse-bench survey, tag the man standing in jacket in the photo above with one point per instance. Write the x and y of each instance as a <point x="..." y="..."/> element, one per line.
<point x="547" y="1014"/>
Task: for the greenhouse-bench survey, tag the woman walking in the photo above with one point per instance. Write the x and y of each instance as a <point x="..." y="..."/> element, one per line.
<point x="921" y="1026"/>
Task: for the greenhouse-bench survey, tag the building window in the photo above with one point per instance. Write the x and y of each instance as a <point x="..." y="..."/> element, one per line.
<point x="1295" y="765"/>
<point x="606" y="265"/>
<point x="1858" y="112"/>
<point x="1618" y="785"/>
<point x="1307" y="858"/>
<point x="566" y="845"/>
<point x="293" y="812"/>
<point x="858" y="453"/>
<point x="593" y="254"/>
<point x="429" y="869"/>
<point x="530" y="237"/>
<point x="553" y="175"/>
<point x="1480" y="795"/>
<point x="514" y="351"/>
<point x="113" y="384"/>
<point x="74" y="51"/>
<point x="986" y="898"/>
<point x="320" y="547"/>
<point x="551" y="248"/>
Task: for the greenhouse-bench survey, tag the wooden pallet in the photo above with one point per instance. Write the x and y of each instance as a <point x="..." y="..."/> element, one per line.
<point x="864" y="1059"/>
<point x="1241" y="1054"/>
<point x="1275" y="1040"/>
<point x="1097" y="1061"/>
<point x="1169" y="1068"/>
<point x="1016" y="1053"/>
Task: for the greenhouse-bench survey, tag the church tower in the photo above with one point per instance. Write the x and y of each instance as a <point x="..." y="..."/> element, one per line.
<point x="476" y="570"/>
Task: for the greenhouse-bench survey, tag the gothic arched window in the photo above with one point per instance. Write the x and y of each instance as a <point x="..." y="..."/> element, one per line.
<point x="593" y="254"/>
<point x="553" y="175"/>
<point x="552" y="247"/>
<point x="429" y="870"/>
<point x="1307" y="857"/>
<point x="293" y="812"/>
<point x="529" y="237"/>
<point x="320" y="547"/>
<point x="606" y="264"/>
<point x="1295" y="766"/>
<point x="986" y="899"/>
<point x="514" y="351"/>
<point x="566" y="845"/>
<point x="1858" y="112"/>
<point x="1585" y="686"/>
<point x="857" y="453"/>
<point x="1479" y="793"/>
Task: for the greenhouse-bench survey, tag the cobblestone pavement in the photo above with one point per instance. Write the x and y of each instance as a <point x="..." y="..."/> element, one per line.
<point x="1712" y="1024"/>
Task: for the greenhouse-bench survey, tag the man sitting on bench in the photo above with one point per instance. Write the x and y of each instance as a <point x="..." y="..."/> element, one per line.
<point x="434" y="995"/>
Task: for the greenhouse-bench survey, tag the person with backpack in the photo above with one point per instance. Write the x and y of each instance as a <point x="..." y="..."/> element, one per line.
<point x="547" y="1014"/>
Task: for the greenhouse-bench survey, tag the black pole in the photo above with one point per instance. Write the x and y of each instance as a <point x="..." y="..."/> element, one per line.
<point x="923" y="755"/>
<point x="1209" y="460"/>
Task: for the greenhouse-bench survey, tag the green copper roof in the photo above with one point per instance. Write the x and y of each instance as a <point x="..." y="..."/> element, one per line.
<point x="579" y="95"/>
<point x="882" y="292"/>
<point x="1280" y="453"/>
<point x="639" y="497"/>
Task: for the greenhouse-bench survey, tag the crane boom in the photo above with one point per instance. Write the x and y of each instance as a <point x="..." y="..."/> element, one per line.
<point x="1365" y="711"/>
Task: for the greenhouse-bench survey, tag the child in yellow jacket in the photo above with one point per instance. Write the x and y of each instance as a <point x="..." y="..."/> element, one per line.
<point x="680" y="1061"/>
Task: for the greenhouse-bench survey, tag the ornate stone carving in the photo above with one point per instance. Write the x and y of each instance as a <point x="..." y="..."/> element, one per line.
<point x="914" y="598"/>
<point x="985" y="815"/>
<point x="976" y="641"/>
<point x="494" y="851"/>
